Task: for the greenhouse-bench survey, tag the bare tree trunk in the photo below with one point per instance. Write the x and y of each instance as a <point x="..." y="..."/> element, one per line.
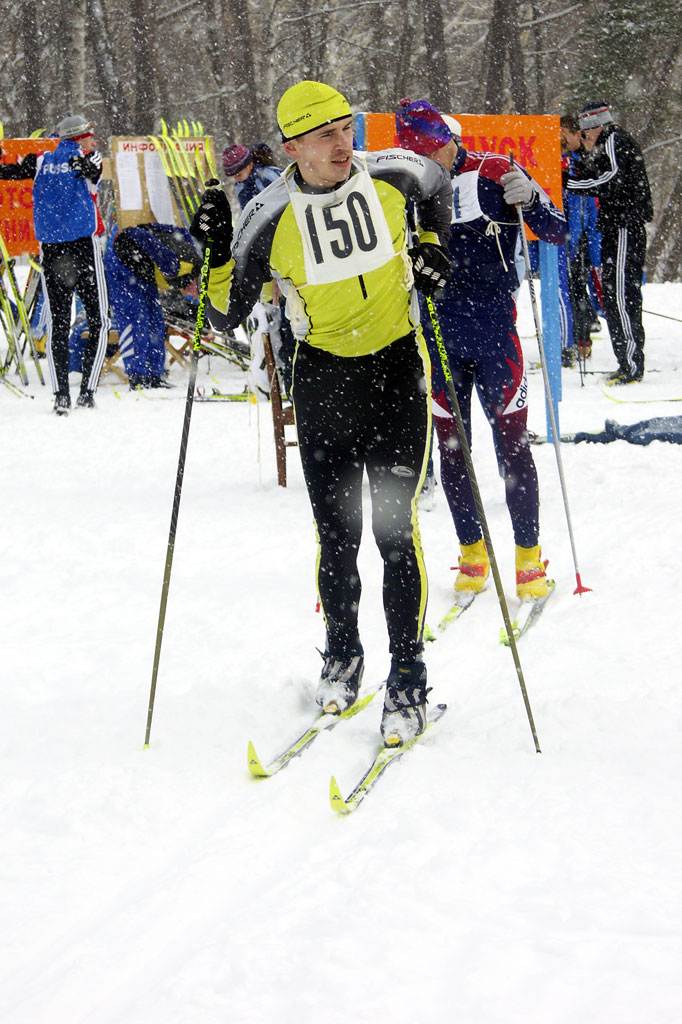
<point x="665" y="254"/>
<point x="504" y="45"/>
<point x="657" y="106"/>
<point x="517" y="71"/>
<point x="32" y="99"/>
<point x="494" y="61"/>
<point x="539" y="63"/>
<point x="107" y="72"/>
<point x="244" y="102"/>
<point x="216" y="33"/>
<point x="145" y="69"/>
<point x="438" y="76"/>
<point x="407" y="36"/>
<point x="382" y="66"/>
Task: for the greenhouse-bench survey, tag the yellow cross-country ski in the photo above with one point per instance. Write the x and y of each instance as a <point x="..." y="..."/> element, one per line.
<point x="385" y="757"/>
<point x="323" y="723"/>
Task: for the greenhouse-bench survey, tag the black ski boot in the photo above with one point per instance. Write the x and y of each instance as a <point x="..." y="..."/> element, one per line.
<point x="404" y="716"/>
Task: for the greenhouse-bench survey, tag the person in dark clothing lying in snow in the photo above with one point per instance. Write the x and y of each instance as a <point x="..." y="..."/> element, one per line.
<point x="477" y="314"/>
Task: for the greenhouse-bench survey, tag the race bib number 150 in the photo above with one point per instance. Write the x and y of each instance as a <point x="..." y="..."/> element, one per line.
<point x="344" y="233"/>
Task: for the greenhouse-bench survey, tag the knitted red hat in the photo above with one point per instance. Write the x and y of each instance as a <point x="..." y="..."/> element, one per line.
<point x="235" y="159"/>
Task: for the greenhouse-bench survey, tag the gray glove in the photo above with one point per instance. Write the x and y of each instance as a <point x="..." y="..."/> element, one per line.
<point x="518" y="188"/>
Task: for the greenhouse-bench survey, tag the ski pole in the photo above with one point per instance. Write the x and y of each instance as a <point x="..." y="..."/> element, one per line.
<point x="580" y="588"/>
<point x="201" y="316"/>
<point x="665" y="316"/>
<point x="471" y="473"/>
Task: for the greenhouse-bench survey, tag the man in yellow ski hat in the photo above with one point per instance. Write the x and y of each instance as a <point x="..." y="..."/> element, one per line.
<point x="332" y="232"/>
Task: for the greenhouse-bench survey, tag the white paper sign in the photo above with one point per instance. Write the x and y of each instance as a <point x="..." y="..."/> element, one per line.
<point x="157" y="189"/>
<point x="129" y="184"/>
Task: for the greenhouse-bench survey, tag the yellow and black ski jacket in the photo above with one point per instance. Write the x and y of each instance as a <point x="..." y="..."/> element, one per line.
<point x="339" y="256"/>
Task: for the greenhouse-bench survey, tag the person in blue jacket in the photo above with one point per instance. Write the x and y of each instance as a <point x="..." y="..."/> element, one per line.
<point x="252" y="169"/>
<point x="477" y="314"/>
<point x="584" y="241"/>
<point x="67" y="224"/>
<point x="140" y="262"/>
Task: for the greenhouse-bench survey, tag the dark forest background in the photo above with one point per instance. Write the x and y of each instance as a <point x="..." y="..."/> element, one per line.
<point x="125" y="63"/>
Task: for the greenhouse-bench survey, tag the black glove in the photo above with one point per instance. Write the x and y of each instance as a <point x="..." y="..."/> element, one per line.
<point x="213" y="221"/>
<point x="430" y="266"/>
<point x="81" y="166"/>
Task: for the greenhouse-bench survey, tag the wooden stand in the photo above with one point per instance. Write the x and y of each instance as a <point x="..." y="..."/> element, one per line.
<point x="109" y="365"/>
<point x="282" y="414"/>
<point x="179" y="353"/>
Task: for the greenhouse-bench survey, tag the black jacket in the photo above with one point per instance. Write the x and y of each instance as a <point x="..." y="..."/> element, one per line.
<point x="614" y="172"/>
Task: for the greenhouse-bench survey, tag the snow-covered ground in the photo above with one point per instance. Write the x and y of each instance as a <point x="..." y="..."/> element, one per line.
<point x="480" y="882"/>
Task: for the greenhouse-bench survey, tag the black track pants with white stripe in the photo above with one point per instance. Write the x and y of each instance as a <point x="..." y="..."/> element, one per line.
<point x="623" y="250"/>
<point x="67" y="267"/>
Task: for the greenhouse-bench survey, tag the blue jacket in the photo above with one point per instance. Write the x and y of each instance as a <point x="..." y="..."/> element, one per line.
<point x="259" y="179"/>
<point x="63" y="206"/>
<point x="581" y="213"/>
<point x="131" y="255"/>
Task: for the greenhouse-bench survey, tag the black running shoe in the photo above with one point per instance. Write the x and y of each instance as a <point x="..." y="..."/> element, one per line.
<point x="62" y="403"/>
<point x="86" y="399"/>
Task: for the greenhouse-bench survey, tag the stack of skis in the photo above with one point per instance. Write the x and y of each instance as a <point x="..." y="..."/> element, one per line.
<point x="188" y="164"/>
<point x="187" y="161"/>
<point x="17" y="309"/>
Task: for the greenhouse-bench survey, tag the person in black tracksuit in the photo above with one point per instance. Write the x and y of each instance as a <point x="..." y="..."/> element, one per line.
<point x="67" y="224"/>
<point x="612" y="169"/>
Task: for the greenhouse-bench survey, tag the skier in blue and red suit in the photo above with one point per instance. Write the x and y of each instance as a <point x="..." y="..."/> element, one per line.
<point x="477" y="314"/>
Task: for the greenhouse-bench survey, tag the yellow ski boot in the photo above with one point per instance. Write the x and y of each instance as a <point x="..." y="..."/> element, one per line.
<point x="531" y="579"/>
<point x="474" y="567"/>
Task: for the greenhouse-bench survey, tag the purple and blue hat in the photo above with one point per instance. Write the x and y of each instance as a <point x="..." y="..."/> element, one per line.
<point x="420" y="128"/>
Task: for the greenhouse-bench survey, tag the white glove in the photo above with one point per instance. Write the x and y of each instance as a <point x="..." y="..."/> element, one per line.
<point x="518" y="188"/>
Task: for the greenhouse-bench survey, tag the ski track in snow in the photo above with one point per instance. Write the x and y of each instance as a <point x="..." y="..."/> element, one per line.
<point x="479" y="882"/>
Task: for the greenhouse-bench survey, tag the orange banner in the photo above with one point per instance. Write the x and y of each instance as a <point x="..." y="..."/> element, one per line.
<point x="534" y="141"/>
<point x="16" y="198"/>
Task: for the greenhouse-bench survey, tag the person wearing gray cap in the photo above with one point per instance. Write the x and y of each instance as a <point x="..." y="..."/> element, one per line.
<point x="67" y="224"/>
<point x="612" y="169"/>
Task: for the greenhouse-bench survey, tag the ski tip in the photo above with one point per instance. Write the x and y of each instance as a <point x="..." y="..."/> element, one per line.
<point x="254" y="763"/>
<point x="336" y="800"/>
<point x="504" y="636"/>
